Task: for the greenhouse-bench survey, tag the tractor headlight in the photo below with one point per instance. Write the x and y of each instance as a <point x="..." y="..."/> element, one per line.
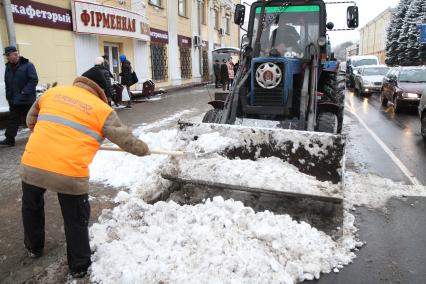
<point x="268" y="75"/>
<point x="322" y="41"/>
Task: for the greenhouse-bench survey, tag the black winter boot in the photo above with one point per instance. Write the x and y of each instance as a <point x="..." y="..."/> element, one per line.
<point x="7" y="143"/>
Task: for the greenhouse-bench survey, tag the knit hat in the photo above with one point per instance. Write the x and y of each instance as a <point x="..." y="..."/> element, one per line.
<point x="122" y="58"/>
<point x="9" y="49"/>
<point x="99" y="60"/>
<point x="96" y="76"/>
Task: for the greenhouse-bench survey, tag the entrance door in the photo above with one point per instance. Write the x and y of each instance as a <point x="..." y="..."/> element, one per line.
<point x="111" y="51"/>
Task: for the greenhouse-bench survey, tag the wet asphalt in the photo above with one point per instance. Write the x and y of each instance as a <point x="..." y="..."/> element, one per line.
<point x="395" y="250"/>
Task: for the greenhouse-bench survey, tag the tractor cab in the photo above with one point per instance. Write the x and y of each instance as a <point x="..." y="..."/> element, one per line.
<point x="287" y="30"/>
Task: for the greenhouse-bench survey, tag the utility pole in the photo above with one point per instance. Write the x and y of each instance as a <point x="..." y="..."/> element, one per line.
<point x="9" y="22"/>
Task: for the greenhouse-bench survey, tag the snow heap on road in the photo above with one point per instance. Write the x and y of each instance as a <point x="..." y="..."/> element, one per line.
<point x="215" y="242"/>
<point x="219" y="241"/>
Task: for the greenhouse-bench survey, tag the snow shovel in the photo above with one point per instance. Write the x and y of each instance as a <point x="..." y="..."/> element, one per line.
<point x="152" y="151"/>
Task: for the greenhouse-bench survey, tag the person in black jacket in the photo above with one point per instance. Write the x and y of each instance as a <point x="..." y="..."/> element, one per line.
<point x="224" y="75"/>
<point x="109" y="90"/>
<point x="21" y="80"/>
<point x="126" y="76"/>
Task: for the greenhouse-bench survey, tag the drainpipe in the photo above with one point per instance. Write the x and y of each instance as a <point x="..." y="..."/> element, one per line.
<point x="200" y="48"/>
<point x="9" y="22"/>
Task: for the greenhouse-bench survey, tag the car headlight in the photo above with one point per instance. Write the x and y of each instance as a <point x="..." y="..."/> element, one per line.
<point x="410" y="95"/>
<point x="366" y="82"/>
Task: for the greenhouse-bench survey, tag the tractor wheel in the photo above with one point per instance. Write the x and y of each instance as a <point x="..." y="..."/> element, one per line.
<point x="212" y="116"/>
<point x="327" y="122"/>
<point x="333" y="87"/>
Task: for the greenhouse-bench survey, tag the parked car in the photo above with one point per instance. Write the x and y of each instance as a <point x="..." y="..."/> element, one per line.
<point x="369" y="79"/>
<point x="422" y="113"/>
<point x="403" y="86"/>
<point x="342" y="68"/>
<point x="356" y="62"/>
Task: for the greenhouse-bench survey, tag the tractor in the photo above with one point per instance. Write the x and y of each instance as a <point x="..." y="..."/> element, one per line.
<point x="287" y="72"/>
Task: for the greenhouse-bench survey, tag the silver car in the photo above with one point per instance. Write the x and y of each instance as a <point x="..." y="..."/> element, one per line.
<point x="368" y="79"/>
<point x="422" y="113"/>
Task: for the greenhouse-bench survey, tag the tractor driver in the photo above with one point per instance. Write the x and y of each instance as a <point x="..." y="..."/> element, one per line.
<point x="286" y="40"/>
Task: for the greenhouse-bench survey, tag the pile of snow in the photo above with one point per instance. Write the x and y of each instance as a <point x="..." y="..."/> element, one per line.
<point x="374" y="192"/>
<point x="140" y="175"/>
<point x="215" y="242"/>
<point x="219" y="241"/>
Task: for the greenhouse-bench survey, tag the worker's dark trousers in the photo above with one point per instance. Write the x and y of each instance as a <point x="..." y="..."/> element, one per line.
<point x="76" y="213"/>
<point x="17" y="116"/>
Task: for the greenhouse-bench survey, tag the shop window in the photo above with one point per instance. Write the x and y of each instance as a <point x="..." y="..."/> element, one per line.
<point x="185" y="62"/>
<point x="159" y="62"/>
<point x="216" y="19"/>
<point x="155" y="2"/>
<point x="205" y="65"/>
<point x="182" y="8"/>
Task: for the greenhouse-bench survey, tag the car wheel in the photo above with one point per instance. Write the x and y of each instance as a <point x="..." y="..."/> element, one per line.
<point x="396" y="105"/>
<point x="423" y="125"/>
<point x="383" y="99"/>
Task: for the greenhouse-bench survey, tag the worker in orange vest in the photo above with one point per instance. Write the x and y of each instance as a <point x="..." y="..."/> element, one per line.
<point x="68" y="125"/>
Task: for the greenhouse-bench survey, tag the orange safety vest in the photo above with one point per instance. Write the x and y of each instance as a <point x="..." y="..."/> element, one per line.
<point x="68" y="131"/>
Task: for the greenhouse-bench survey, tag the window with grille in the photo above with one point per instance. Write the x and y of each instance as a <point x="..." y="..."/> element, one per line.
<point x="159" y="62"/>
<point x="155" y="2"/>
<point x="182" y="8"/>
<point x="185" y="62"/>
<point x="205" y="65"/>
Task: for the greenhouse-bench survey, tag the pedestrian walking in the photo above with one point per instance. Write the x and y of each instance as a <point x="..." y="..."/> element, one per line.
<point x="21" y="80"/>
<point x="68" y="125"/>
<point x="224" y="75"/>
<point x="126" y="76"/>
<point x="231" y="73"/>
<point x="109" y="90"/>
<point x="216" y="70"/>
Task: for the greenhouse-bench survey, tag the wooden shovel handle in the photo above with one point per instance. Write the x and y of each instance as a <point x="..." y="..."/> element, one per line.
<point x="152" y="151"/>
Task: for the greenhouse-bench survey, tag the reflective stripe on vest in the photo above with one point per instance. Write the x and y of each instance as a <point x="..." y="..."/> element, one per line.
<point x="77" y="126"/>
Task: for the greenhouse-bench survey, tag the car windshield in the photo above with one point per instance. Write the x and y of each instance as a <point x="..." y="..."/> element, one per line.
<point x="375" y="71"/>
<point x="413" y="75"/>
<point x="362" y="62"/>
<point x="288" y="29"/>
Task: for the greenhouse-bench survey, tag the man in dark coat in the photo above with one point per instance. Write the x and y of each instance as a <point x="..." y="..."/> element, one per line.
<point x="224" y="75"/>
<point x="126" y="76"/>
<point x="21" y="80"/>
<point x="109" y="90"/>
<point x="216" y="69"/>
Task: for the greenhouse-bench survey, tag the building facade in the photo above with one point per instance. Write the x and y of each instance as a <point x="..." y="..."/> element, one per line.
<point x="352" y="50"/>
<point x="373" y="36"/>
<point x="170" y="42"/>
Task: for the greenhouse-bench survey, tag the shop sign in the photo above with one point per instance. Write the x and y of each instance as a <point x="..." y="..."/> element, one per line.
<point x="205" y="44"/>
<point x="184" y="41"/>
<point x="39" y="14"/>
<point x="159" y="36"/>
<point x="92" y="18"/>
